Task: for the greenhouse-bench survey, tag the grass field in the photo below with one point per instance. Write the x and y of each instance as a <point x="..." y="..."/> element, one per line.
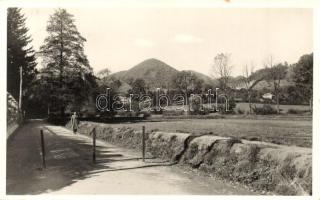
<point x="245" y="107"/>
<point x="288" y="131"/>
<point x="283" y="108"/>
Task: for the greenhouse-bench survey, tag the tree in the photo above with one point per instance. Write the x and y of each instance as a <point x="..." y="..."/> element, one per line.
<point x="247" y="81"/>
<point x="19" y="54"/>
<point x="110" y="82"/>
<point x="197" y="85"/>
<point x="250" y="79"/>
<point x="138" y="87"/>
<point x="65" y="64"/>
<point x="276" y="72"/>
<point x="303" y="76"/>
<point x="104" y="73"/>
<point x="222" y="69"/>
<point x="185" y="81"/>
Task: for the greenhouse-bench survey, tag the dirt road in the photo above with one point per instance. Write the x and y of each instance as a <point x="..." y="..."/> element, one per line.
<point x="118" y="171"/>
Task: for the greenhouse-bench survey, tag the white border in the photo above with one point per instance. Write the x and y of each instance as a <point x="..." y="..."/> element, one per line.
<point x="3" y="101"/>
<point x="316" y="105"/>
<point x="164" y="3"/>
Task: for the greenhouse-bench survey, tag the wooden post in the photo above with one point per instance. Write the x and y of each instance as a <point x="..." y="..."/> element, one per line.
<point x="94" y="145"/>
<point x="43" y="150"/>
<point x="143" y="143"/>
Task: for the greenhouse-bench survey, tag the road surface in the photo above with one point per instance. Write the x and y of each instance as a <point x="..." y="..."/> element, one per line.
<point x="118" y="171"/>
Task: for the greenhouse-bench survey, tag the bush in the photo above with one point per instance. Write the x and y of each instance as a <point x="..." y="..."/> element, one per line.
<point x="146" y="114"/>
<point x="205" y="111"/>
<point x="222" y="109"/>
<point x="157" y="111"/>
<point x="240" y="111"/>
<point x="296" y="111"/>
<point x="173" y="112"/>
<point x="126" y="114"/>
<point x="201" y="111"/>
<point x="195" y="105"/>
<point x="231" y="106"/>
<point x="266" y="109"/>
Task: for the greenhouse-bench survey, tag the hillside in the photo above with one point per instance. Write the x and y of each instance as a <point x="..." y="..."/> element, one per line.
<point x="154" y="72"/>
<point x="207" y="80"/>
<point x="119" y="75"/>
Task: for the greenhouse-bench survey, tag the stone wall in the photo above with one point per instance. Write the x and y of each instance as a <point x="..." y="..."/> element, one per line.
<point x="12" y="115"/>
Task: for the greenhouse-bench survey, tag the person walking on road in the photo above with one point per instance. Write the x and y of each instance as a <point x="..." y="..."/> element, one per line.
<point x="74" y="122"/>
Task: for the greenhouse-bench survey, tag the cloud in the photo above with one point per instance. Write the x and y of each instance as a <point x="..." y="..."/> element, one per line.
<point x="144" y="42"/>
<point x="186" y="39"/>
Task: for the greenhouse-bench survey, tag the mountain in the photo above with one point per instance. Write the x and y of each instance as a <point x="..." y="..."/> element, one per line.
<point x="155" y="73"/>
<point x="206" y="79"/>
<point x="119" y="75"/>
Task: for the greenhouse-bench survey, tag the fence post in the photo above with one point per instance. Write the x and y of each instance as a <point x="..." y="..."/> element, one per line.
<point x="143" y="143"/>
<point x="43" y="150"/>
<point x="94" y="145"/>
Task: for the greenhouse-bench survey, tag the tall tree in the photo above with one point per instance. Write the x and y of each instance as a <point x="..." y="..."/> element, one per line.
<point x="65" y="64"/>
<point x="19" y="54"/>
<point x="247" y="80"/>
<point x="222" y="69"/>
<point x="250" y="79"/>
<point x="277" y="72"/>
<point x="186" y="82"/>
<point x="303" y="77"/>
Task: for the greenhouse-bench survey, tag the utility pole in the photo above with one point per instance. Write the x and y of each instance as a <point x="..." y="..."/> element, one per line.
<point x="20" y="96"/>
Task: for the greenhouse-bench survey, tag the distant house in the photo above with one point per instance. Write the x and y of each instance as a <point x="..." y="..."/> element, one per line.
<point x="268" y="96"/>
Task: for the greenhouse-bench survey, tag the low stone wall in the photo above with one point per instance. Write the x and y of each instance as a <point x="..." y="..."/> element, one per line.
<point x="168" y="146"/>
<point x="12" y="115"/>
<point x="11" y="128"/>
<point x="263" y="166"/>
<point x="125" y="137"/>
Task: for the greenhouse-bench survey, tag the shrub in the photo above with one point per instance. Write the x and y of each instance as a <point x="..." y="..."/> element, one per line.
<point x="172" y="112"/>
<point x="201" y="111"/>
<point x="205" y="111"/>
<point x="126" y="114"/>
<point x="266" y="109"/>
<point x="195" y="105"/>
<point x="222" y="109"/>
<point x="240" y="111"/>
<point x="296" y="111"/>
<point x="231" y="106"/>
<point x="145" y="113"/>
<point x="157" y="111"/>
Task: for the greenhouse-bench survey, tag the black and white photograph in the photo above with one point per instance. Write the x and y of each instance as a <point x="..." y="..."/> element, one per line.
<point x="138" y="100"/>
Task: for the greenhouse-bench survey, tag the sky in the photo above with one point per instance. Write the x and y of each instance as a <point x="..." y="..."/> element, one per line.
<point x="185" y="38"/>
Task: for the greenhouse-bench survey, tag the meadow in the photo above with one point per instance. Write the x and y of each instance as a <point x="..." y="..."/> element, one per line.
<point x="285" y="130"/>
<point x="283" y="108"/>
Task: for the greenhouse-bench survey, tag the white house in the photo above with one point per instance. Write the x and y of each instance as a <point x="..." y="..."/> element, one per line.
<point x="268" y="96"/>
